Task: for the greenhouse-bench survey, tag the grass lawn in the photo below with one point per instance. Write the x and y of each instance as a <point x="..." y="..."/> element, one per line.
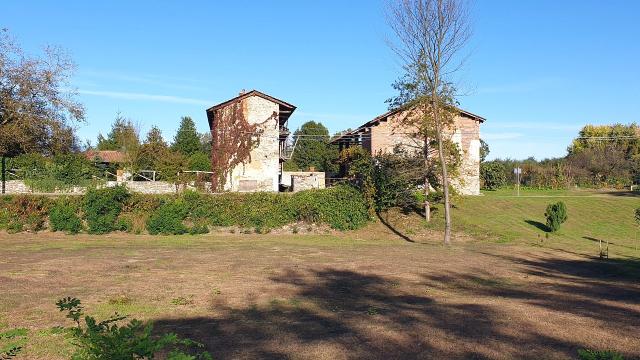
<point x="593" y="216"/>
<point x="387" y="291"/>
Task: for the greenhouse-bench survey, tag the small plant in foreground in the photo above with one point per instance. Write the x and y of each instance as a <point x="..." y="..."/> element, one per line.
<point x="556" y="214"/>
<point x="11" y="342"/>
<point x="585" y="354"/>
<point x="109" y="339"/>
<point x="372" y="311"/>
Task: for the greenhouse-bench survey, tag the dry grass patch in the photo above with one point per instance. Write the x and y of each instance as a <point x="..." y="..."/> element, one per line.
<point x="343" y="296"/>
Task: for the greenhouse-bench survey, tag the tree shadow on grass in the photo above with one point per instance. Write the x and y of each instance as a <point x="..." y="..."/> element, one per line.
<point x="538" y="225"/>
<point x="351" y="314"/>
<point x="393" y="228"/>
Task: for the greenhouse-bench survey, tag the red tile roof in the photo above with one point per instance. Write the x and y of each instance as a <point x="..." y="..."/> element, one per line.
<point x="107" y="156"/>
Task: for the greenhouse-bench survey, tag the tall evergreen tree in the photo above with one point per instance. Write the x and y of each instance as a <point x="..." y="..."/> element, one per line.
<point x="187" y="140"/>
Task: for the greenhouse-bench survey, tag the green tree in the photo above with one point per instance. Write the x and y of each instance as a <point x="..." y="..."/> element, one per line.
<point x="313" y="148"/>
<point x="556" y="214"/>
<point x="359" y="166"/>
<point x="36" y="109"/>
<point x="187" y="140"/>
<point x="151" y="151"/>
<point x="430" y="36"/>
<point x="122" y="137"/>
<point x="492" y="175"/>
<point x="199" y="161"/>
<point x="484" y="150"/>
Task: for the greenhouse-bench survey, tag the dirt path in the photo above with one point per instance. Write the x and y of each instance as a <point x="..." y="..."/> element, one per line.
<point x="327" y="297"/>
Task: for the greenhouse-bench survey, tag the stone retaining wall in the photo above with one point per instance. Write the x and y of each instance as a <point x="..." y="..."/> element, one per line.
<point x="14" y="187"/>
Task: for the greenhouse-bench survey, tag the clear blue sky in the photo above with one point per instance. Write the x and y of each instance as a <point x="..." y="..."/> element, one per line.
<point x="538" y="70"/>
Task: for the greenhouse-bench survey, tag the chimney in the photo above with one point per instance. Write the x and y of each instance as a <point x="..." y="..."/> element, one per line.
<point x="242" y="92"/>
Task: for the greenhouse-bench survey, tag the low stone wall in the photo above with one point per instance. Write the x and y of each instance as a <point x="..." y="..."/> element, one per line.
<point x="15" y="187"/>
<point x="303" y="180"/>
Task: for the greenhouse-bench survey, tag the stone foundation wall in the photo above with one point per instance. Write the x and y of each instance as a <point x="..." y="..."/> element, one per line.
<point x="303" y="180"/>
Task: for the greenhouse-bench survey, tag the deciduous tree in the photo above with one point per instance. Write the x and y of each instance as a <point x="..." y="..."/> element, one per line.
<point x="429" y="36"/>
<point x="313" y="148"/>
<point x="37" y="107"/>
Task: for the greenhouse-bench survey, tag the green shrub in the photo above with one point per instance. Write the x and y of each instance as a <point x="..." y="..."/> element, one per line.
<point x="58" y="173"/>
<point x="114" y="209"/>
<point x="492" y="175"/>
<point x="342" y="207"/>
<point x="168" y="219"/>
<point x="110" y="339"/>
<point x="63" y="217"/>
<point x="585" y="354"/>
<point x="396" y="177"/>
<point x="199" y="229"/>
<point x="27" y="213"/>
<point x="101" y="208"/>
<point x="556" y="214"/>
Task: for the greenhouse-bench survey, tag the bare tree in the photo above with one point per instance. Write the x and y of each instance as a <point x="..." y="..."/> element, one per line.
<point x="429" y="38"/>
<point x="37" y="108"/>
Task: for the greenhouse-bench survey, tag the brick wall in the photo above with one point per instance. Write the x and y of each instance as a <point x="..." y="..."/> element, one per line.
<point x="391" y="133"/>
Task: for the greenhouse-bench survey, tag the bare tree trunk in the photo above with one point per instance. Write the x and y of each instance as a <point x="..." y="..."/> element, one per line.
<point x="445" y="189"/>
<point x="427" y="204"/>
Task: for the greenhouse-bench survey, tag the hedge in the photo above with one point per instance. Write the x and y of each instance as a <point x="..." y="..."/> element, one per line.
<point x="105" y="210"/>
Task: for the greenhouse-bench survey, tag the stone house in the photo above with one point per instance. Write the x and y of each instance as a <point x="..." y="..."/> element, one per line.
<point x="387" y="131"/>
<point x="262" y="171"/>
<point x="270" y="115"/>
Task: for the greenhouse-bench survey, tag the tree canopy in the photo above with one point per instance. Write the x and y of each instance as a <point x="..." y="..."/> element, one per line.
<point x="37" y="109"/>
<point x="187" y="139"/>
<point x="122" y="137"/>
<point x="313" y="149"/>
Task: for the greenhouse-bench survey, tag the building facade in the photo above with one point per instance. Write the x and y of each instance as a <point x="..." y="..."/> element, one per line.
<point x="269" y="116"/>
<point x="388" y="131"/>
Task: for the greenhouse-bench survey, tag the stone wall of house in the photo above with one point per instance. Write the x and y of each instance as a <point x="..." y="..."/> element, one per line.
<point x="390" y="133"/>
<point x="303" y="180"/>
<point x="467" y="136"/>
<point x="262" y="172"/>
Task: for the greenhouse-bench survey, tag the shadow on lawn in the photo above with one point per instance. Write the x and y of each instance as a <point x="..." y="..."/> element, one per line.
<point x="350" y="314"/>
<point x="393" y="229"/>
<point x="539" y="225"/>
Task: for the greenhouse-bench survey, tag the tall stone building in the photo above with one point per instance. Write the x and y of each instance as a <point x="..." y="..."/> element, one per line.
<point x="262" y="169"/>
<point x="385" y="132"/>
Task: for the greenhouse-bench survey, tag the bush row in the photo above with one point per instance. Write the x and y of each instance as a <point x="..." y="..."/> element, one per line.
<point x="105" y="210"/>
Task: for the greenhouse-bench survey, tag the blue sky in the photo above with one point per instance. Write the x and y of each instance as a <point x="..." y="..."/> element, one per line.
<point x="538" y="70"/>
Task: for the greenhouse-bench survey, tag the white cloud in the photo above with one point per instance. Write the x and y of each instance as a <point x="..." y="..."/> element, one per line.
<point x="146" y="97"/>
<point x="148" y="79"/>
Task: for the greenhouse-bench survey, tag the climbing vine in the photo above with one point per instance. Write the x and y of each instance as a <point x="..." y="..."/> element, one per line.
<point x="233" y="139"/>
